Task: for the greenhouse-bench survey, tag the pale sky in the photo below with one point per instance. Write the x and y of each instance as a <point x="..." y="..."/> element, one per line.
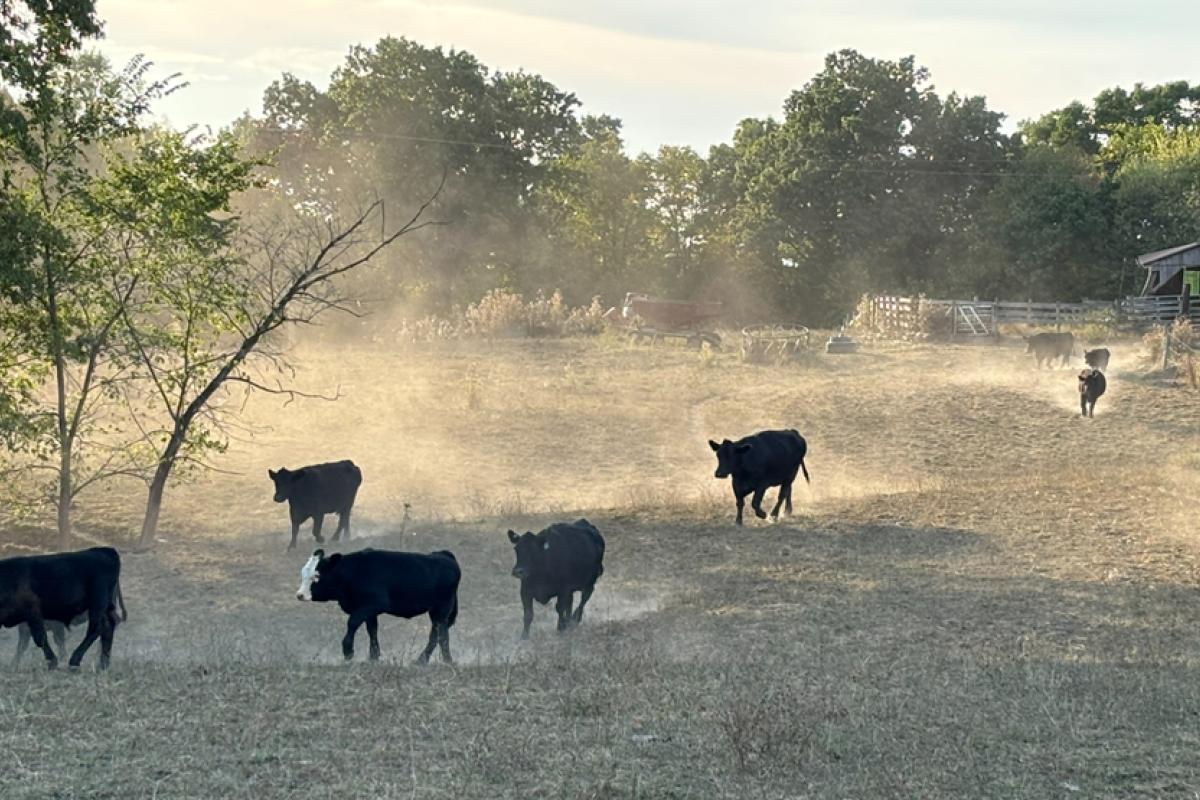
<point x="675" y="71"/>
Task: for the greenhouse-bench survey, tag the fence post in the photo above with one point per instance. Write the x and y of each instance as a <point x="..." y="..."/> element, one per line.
<point x="996" y="318"/>
<point x="954" y="319"/>
<point x="1057" y="322"/>
<point x="1166" y="344"/>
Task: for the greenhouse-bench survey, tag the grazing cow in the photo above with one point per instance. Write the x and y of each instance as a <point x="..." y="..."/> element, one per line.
<point x="565" y="558"/>
<point x="58" y="588"/>
<point x="1097" y="359"/>
<point x="116" y="615"/>
<point x="1049" y="346"/>
<point x="312" y="492"/>
<point x="371" y="582"/>
<point x="1091" y="387"/>
<point x="758" y="462"/>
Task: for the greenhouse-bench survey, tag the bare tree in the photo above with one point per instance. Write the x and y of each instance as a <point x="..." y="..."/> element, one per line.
<point x="209" y="325"/>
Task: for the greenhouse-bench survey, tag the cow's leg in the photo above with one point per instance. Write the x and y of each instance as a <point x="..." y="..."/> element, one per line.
<point x="527" y="606"/>
<point x="432" y="643"/>
<point x="444" y="641"/>
<point x="295" y="531"/>
<point x="563" y="606"/>
<point x="37" y="630"/>
<point x="59" y="632"/>
<point x="22" y="642"/>
<point x="1083" y="404"/>
<point x="785" y="490"/>
<point x="373" y="633"/>
<point x="106" y="640"/>
<point x="318" y="521"/>
<point x="584" y="596"/>
<point x="343" y="525"/>
<point x="356" y="619"/>
<point x="739" y="495"/>
<point x="787" y="507"/>
<point x="756" y="502"/>
<point x="95" y="623"/>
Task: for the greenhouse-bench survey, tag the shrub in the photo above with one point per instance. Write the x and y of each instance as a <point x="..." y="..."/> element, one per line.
<point x="504" y="314"/>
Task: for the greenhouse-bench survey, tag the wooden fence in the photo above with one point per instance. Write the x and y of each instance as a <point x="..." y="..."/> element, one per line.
<point x="891" y="314"/>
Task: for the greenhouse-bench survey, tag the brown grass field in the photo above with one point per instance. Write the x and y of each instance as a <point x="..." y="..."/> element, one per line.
<point x="980" y="595"/>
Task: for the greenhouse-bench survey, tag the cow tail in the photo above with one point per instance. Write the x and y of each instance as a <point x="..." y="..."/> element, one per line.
<point x="453" y="615"/>
<point x="804" y="469"/>
<point x="120" y="598"/>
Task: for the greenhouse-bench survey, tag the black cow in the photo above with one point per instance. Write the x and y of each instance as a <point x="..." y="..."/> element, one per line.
<point x="1091" y="387"/>
<point x="116" y="615"/>
<point x="1049" y="346"/>
<point x="371" y="582"/>
<point x="58" y="588"/>
<point x="565" y="558"/>
<point x="1097" y="359"/>
<point x="314" y="491"/>
<point x="758" y="462"/>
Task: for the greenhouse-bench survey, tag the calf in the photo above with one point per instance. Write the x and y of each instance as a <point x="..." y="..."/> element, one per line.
<point x="371" y="582"/>
<point x="565" y="558"/>
<point x="1091" y="387"/>
<point x="59" y="588"/>
<point x="312" y="492"/>
<point x="1097" y="359"/>
<point x="1049" y="346"/>
<point x="116" y="615"/>
<point x="758" y="462"/>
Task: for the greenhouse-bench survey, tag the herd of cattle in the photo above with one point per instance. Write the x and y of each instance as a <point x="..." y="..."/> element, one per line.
<point x="48" y="593"/>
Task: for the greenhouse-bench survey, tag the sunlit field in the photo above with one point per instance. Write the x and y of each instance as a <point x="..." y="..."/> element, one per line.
<point x="981" y="594"/>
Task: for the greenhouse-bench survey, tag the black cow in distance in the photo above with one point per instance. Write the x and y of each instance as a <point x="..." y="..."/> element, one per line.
<point x="312" y="492"/>
<point x="758" y="462"/>
<point x="565" y="558"/>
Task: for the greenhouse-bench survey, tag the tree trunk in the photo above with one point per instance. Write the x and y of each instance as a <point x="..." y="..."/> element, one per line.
<point x="157" y="486"/>
<point x="65" y="433"/>
<point x="64" y="496"/>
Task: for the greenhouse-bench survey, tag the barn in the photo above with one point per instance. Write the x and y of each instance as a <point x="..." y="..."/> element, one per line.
<point x="1169" y="271"/>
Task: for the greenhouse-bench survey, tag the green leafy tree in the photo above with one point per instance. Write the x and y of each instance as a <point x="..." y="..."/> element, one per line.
<point x="62" y="286"/>
<point x="399" y="115"/>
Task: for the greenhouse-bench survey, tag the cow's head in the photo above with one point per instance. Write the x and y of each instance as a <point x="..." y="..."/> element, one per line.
<point x="1085" y="378"/>
<point x="729" y="456"/>
<point x="284" y="479"/>
<point x="530" y="550"/>
<point x="318" y="568"/>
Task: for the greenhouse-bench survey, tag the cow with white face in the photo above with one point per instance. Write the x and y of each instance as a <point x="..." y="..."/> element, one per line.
<point x="371" y="582"/>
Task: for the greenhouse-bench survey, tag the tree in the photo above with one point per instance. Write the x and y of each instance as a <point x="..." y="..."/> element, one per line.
<point x="598" y="204"/>
<point x="870" y="181"/>
<point x="399" y="115"/>
<point x="38" y="37"/>
<point x="210" y="327"/>
<point x="64" y="279"/>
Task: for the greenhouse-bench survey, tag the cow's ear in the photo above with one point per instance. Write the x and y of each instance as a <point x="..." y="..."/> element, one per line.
<point x="271" y="474"/>
<point x="318" y="554"/>
<point x="743" y="448"/>
<point x="714" y="445"/>
<point x="512" y="536"/>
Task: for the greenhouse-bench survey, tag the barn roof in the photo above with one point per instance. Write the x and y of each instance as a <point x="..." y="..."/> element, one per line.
<point x="1149" y="259"/>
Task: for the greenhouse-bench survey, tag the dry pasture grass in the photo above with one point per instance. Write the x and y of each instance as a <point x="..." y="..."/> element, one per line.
<point x="981" y="594"/>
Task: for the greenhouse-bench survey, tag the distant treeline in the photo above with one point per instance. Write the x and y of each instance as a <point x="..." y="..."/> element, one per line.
<point x="869" y="181"/>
